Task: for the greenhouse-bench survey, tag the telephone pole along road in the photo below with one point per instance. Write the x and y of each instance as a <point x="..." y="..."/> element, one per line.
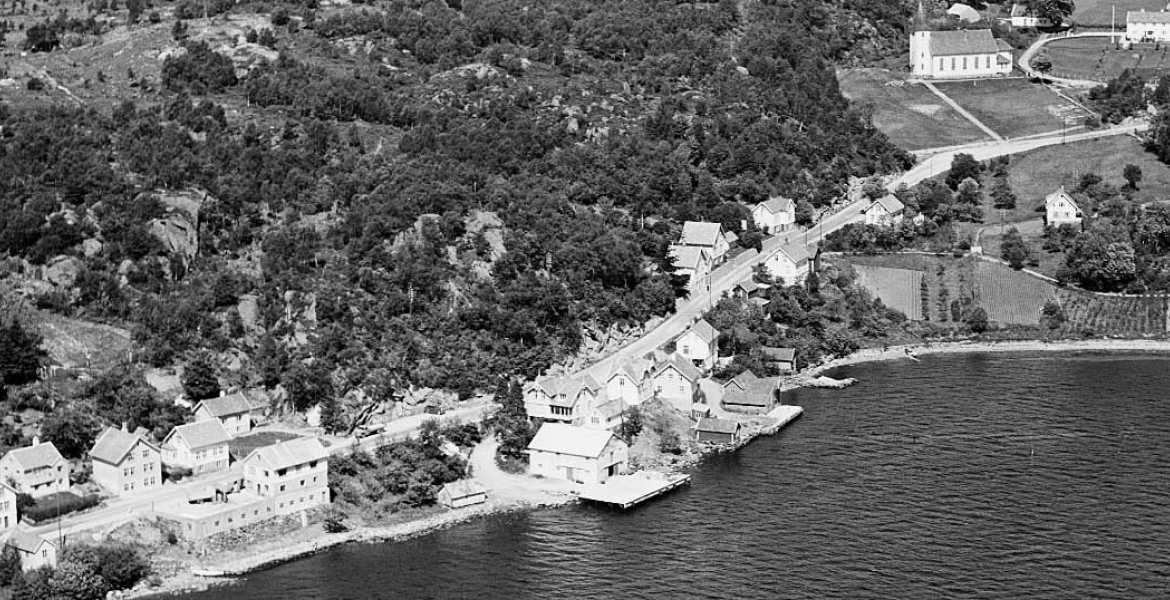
<point x="726" y="276"/>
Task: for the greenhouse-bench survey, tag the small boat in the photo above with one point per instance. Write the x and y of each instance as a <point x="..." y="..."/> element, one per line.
<point x="208" y="572"/>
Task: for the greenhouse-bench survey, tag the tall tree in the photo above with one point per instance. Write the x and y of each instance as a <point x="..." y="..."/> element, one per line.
<point x="199" y="378"/>
<point x="963" y="167"/>
<point x="1014" y="249"/>
<point x="20" y="353"/>
<point x="1133" y="175"/>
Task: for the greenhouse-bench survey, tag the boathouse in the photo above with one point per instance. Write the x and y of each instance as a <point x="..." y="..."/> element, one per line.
<point x="459" y="494"/>
<point x="749" y="394"/>
<point x="577" y="454"/>
<point x="717" y="431"/>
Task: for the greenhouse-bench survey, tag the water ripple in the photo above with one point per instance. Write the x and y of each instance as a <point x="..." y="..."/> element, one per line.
<point x="1002" y="476"/>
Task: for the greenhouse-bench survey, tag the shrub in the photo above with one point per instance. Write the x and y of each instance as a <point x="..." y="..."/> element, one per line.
<point x="50" y="507"/>
<point x="201" y="70"/>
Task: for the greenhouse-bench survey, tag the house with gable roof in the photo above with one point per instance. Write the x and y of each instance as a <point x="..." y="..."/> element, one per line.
<point x="37" y="470"/>
<point x="781" y="359"/>
<point x="969" y="53"/>
<point x="748" y="393"/>
<point x="788" y="261"/>
<point x="609" y="416"/>
<point x="126" y="462"/>
<point x="1061" y="209"/>
<point x="699" y="344"/>
<point x="34" y="551"/>
<point x="676" y="381"/>
<point x="560" y="451"/>
<point x="700" y="234"/>
<point x="1147" y="26"/>
<point x="887" y="210"/>
<point x="1021" y="16"/>
<point x="717" y="431"/>
<point x="775" y="214"/>
<point x="234" y="411"/>
<point x="693" y="262"/>
<point x="561" y="399"/>
<point x="293" y="473"/>
<point x="201" y="446"/>
<point x="964" y="13"/>
<point x="630" y="381"/>
<point x="749" y="288"/>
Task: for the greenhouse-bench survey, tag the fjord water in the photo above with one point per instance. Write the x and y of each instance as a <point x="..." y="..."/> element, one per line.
<point x="963" y="476"/>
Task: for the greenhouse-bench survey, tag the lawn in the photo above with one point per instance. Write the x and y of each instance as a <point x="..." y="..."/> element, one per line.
<point x="242" y="446"/>
<point x="1038" y="173"/>
<point x="899" y="289"/>
<point x="1013" y="107"/>
<point x="1033" y="233"/>
<point x="1097" y="58"/>
<point x="912" y="116"/>
<point x="1098" y="13"/>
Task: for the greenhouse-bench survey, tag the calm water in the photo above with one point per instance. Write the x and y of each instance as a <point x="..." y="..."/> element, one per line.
<point x="1001" y="476"/>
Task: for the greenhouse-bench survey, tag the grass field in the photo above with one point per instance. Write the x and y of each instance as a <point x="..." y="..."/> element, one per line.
<point x="1033" y="232"/>
<point x="1009" y="296"/>
<point x="1013" y="107"/>
<point x="912" y="116"/>
<point x="1098" y="13"/>
<point x="1038" y="173"/>
<point x="1097" y="59"/>
<point x="899" y="289"/>
<point x="1130" y="316"/>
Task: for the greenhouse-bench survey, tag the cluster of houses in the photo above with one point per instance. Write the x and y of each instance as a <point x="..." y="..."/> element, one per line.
<point x="580" y="415"/>
<point x="287" y="477"/>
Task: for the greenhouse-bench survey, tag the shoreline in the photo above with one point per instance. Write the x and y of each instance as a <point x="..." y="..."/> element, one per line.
<point x="186" y="582"/>
<point x="867" y="355"/>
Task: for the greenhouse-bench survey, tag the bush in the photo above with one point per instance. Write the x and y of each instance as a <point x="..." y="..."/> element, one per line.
<point x="201" y="70"/>
<point x="335" y="521"/>
<point x="52" y="506"/>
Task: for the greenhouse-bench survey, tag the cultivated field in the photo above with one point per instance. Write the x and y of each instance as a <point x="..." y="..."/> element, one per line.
<point x="1013" y="107"/>
<point x="912" y="116"/>
<point x="899" y="289"/>
<point x="1097" y="58"/>
<point x="1098" y="13"/>
<point x="1114" y="315"/>
<point x="1033" y="233"/>
<point x="947" y="279"/>
<point x="1009" y="296"/>
<point x="1038" y="173"/>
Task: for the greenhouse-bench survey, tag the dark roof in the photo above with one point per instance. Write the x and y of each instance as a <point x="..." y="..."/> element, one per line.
<point x="785" y="354"/>
<point x="711" y="425"/>
<point x="957" y="43"/>
<point x="756" y="392"/>
<point x="226" y="406"/>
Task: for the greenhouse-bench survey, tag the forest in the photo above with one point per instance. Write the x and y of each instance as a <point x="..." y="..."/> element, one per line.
<point x="531" y="164"/>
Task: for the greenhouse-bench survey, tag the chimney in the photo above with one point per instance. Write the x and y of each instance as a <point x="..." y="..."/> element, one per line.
<point x="125" y="426"/>
<point x="36" y="440"/>
<point x="222" y="393"/>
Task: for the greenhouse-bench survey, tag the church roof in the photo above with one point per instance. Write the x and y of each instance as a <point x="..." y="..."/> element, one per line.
<point x="962" y="42"/>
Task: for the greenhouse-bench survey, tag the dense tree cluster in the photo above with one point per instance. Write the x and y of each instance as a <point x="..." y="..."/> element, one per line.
<point x="516" y="201"/>
<point x="84" y="573"/>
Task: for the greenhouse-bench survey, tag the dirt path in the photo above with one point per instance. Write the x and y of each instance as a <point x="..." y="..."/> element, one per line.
<point x="962" y="111"/>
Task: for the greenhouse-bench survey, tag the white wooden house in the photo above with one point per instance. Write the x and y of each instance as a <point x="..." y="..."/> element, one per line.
<point x="561" y="399"/>
<point x="630" y="381"/>
<point x="887" y="210"/>
<point x="788" y="261"/>
<point x="693" y="262"/>
<point x="201" y="446"/>
<point x="233" y="410"/>
<point x="294" y="473"/>
<point x="1021" y="17"/>
<point x="126" y="462"/>
<point x="7" y="506"/>
<point x="710" y="236"/>
<point x="1061" y="209"/>
<point x="1147" y="26"/>
<point x="459" y="494"/>
<point x="34" y="551"/>
<point x="775" y="215"/>
<point x="699" y="344"/>
<point x="676" y="381"/>
<point x="37" y="470"/>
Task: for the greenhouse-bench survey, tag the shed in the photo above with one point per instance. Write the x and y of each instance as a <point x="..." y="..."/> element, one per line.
<point x="717" y="431"/>
<point x="459" y="494"/>
<point x="783" y="359"/>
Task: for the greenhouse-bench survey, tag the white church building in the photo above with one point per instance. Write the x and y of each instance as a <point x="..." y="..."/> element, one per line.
<point x="960" y="54"/>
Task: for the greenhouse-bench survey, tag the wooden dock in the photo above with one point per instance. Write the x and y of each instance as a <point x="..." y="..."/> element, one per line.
<point x="781" y="416"/>
<point x="625" y="491"/>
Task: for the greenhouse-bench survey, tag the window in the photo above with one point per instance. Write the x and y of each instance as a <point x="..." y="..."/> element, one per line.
<point x="964" y="62"/>
<point x="952" y="63"/>
<point x="145" y="454"/>
<point x="940" y="64"/>
<point x="686" y="350"/>
<point x="561" y="410"/>
<point x="988" y="62"/>
<point x="282" y="487"/>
